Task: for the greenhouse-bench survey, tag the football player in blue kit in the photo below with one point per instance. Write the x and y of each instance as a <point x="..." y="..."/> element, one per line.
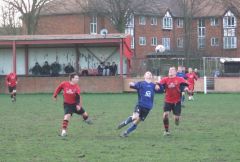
<point x="146" y="90"/>
<point x="181" y="74"/>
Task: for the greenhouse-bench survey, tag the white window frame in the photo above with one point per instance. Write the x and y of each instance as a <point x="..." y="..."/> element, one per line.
<point x="214" y="21"/>
<point x="214" y="41"/>
<point x="201" y="42"/>
<point x="201" y="34"/>
<point x="142" y="41"/>
<point x="229" y="20"/>
<point x="130" y="22"/>
<point x="229" y="42"/>
<point x="153" y="20"/>
<point x="93" y="25"/>
<point x="179" y="23"/>
<point x="167" y="21"/>
<point x="166" y="42"/>
<point x="142" y="20"/>
<point x="180" y="42"/>
<point x="229" y="31"/>
<point x="154" y="41"/>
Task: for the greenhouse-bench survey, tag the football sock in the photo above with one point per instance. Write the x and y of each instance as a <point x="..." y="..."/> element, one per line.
<point x="129" y="120"/>
<point x="11" y="95"/>
<point x="183" y="98"/>
<point x="131" y="128"/>
<point x="177" y="121"/>
<point x="166" y="124"/>
<point x="65" y="124"/>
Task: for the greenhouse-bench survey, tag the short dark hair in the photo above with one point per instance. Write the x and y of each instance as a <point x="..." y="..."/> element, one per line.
<point x="72" y="75"/>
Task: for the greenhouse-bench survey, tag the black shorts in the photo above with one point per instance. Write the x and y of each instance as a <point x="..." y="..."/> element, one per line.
<point x="175" y="108"/>
<point x="10" y="89"/>
<point x="143" y="112"/>
<point x="71" y="108"/>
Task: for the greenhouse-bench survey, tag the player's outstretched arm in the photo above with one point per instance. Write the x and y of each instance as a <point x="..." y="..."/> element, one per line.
<point x="159" y="88"/>
<point x="132" y="85"/>
<point x="57" y="91"/>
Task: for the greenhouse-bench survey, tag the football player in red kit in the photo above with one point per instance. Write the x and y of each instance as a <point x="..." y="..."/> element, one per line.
<point x="172" y="85"/>
<point x="191" y="77"/>
<point x="72" y="101"/>
<point x="11" y="81"/>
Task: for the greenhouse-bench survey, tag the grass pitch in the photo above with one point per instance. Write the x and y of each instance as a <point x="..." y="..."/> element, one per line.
<point x="209" y="131"/>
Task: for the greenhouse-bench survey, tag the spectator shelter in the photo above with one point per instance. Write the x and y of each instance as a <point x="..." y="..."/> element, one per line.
<point x="84" y="52"/>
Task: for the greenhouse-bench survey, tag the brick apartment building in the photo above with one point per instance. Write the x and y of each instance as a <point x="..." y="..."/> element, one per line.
<point x="215" y="29"/>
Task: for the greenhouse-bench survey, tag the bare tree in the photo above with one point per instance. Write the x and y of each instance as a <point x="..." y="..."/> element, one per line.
<point x="230" y="3"/>
<point x="190" y="10"/>
<point x="117" y="11"/>
<point x="29" y="10"/>
<point x="9" y="24"/>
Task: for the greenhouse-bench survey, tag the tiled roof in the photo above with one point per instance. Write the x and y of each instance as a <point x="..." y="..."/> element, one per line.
<point x="61" y="37"/>
<point x="205" y="8"/>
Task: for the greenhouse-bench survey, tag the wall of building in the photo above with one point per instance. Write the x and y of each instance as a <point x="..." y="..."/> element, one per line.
<point x="61" y="24"/>
<point x="71" y="24"/>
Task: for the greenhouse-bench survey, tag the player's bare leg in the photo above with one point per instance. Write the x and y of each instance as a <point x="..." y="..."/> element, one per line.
<point x="166" y="123"/>
<point x="86" y="118"/>
<point x="183" y="99"/>
<point x="14" y="95"/>
<point x="66" y="119"/>
<point x="177" y="119"/>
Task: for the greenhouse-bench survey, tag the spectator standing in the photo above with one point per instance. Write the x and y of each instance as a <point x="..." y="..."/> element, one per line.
<point x="46" y="69"/>
<point x="69" y="69"/>
<point x="56" y="68"/>
<point x="37" y="69"/>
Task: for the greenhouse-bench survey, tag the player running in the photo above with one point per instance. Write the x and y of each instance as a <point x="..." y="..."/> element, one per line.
<point x="146" y="90"/>
<point x="72" y="101"/>
<point x="191" y="77"/>
<point x="11" y="81"/>
<point x="172" y="85"/>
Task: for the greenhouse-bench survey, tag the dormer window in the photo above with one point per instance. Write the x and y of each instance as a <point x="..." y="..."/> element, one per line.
<point x="167" y="21"/>
<point x="229" y="20"/>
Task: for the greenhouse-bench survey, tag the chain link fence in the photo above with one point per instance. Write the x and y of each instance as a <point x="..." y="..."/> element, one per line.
<point x="207" y="66"/>
<point x="160" y="66"/>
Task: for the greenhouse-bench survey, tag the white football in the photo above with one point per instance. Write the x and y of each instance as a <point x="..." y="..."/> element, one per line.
<point x="159" y="49"/>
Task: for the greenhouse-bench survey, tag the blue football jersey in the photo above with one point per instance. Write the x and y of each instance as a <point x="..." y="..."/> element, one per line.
<point x="146" y="93"/>
<point x="181" y="75"/>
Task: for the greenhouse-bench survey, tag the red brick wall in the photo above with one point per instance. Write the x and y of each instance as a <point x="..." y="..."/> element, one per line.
<point x="106" y="84"/>
<point x="214" y="31"/>
<point x="62" y="24"/>
<point x="70" y="24"/>
<point x="48" y="84"/>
